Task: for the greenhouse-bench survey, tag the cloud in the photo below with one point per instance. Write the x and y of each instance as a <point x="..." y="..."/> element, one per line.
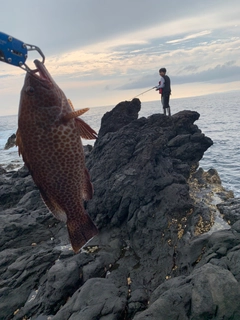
<point x="227" y="72"/>
<point x="190" y="68"/>
<point x="128" y="60"/>
<point x="96" y="49"/>
<point x="6" y="75"/>
<point x="219" y="74"/>
<point x="191" y="36"/>
<point x="58" y="26"/>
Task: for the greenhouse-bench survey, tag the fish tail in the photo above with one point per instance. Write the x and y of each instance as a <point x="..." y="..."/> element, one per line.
<point x="81" y="231"/>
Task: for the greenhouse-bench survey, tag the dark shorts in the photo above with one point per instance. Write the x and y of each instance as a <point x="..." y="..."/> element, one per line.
<point x="165" y="101"/>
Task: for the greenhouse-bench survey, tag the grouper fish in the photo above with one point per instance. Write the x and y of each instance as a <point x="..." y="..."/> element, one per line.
<point x="49" y="140"/>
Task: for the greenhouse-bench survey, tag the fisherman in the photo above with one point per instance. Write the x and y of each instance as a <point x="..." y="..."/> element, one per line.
<point x="164" y="89"/>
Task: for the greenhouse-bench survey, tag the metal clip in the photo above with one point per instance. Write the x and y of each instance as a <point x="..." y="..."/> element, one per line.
<point x="31" y="47"/>
<point x="15" y="52"/>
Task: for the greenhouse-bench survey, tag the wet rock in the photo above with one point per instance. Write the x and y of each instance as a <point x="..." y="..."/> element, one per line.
<point x="230" y="210"/>
<point x="2" y="170"/>
<point x="207" y="191"/>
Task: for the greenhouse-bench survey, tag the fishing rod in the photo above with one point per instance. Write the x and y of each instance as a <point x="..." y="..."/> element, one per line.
<point x="144" y="92"/>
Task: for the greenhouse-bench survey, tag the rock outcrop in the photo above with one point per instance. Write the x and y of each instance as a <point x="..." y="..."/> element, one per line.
<point x="157" y="255"/>
<point x="11" y="142"/>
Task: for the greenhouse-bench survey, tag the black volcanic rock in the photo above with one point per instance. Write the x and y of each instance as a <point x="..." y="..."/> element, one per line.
<point x="123" y="114"/>
<point x="11" y="142"/>
<point x="2" y="170"/>
<point x="156" y="255"/>
<point x="183" y="298"/>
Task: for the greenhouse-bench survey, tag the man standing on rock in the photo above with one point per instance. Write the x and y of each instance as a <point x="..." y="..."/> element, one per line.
<point x="164" y="88"/>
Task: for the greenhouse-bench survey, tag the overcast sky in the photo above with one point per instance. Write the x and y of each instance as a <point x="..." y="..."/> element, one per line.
<point x="101" y="52"/>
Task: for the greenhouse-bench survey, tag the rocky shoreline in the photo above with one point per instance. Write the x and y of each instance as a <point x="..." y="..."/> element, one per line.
<point x="169" y="240"/>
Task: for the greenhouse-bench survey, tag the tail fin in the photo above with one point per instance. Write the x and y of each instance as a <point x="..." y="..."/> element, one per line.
<point x="80" y="231"/>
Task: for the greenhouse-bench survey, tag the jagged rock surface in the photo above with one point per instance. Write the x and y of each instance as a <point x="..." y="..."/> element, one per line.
<point x="155" y="256"/>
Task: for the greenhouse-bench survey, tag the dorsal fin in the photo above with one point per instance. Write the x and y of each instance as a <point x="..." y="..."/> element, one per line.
<point x="74" y="114"/>
<point x="70" y="103"/>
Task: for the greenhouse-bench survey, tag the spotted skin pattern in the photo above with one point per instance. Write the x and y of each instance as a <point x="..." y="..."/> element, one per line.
<point x="49" y="139"/>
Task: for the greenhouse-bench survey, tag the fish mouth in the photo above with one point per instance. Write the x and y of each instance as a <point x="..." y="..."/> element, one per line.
<point x="41" y="74"/>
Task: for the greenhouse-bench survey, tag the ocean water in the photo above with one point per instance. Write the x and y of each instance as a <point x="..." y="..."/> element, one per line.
<point x="219" y="120"/>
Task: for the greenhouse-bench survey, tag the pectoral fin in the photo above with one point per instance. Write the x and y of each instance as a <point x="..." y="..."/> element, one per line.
<point x="86" y="132"/>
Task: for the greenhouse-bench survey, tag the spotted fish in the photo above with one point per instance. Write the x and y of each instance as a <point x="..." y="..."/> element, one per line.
<point x="49" y="140"/>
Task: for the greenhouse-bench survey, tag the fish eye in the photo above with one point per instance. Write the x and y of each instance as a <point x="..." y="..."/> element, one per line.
<point x="30" y="90"/>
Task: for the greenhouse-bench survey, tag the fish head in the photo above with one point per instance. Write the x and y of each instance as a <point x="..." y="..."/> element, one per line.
<point x="41" y="92"/>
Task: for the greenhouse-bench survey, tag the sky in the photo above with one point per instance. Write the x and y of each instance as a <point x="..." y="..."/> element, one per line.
<point x="102" y="52"/>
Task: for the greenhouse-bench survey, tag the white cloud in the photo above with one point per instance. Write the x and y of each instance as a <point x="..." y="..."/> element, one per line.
<point x="93" y="45"/>
<point x="191" y="36"/>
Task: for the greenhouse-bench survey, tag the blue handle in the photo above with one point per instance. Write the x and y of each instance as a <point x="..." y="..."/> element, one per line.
<point x="12" y="51"/>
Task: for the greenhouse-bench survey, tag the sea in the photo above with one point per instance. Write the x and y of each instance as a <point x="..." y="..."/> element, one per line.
<point x="219" y="120"/>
